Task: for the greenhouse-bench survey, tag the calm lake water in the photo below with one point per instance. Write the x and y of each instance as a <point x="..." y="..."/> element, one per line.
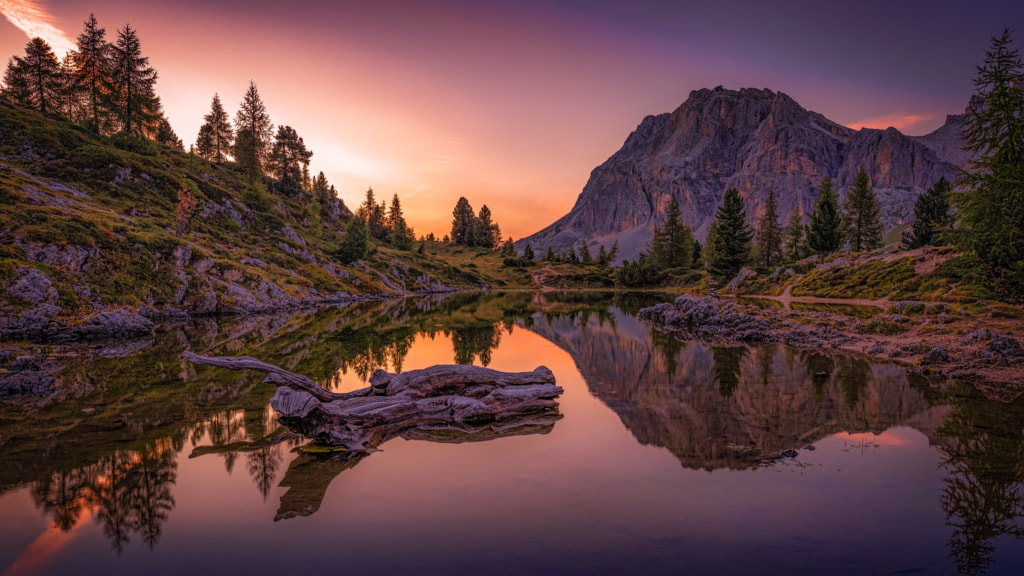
<point x="652" y="464"/>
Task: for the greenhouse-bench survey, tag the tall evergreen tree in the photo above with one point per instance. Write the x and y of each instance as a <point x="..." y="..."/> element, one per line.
<point x="732" y="244"/>
<point x="221" y="133"/>
<point x="374" y="216"/>
<point x="463" y="223"/>
<point x="710" y="241"/>
<point x="528" y="253"/>
<point x="991" y="211"/>
<point x="485" y="229"/>
<point x="253" y="148"/>
<point x="769" y="233"/>
<point x="400" y="236"/>
<point x="508" y="249"/>
<point x="205" y="148"/>
<point x="862" y="218"/>
<point x="35" y="80"/>
<point x="93" y="70"/>
<point x="932" y="220"/>
<point x="287" y="159"/>
<point x="825" y="233"/>
<point x="71" y="104"/>
<point x="795" y="236"/>
<point x="133" y="97"/>
<point x="672" y="245"/>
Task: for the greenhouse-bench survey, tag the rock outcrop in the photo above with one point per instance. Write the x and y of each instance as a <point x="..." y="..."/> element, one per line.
<point x="752" y="140"/>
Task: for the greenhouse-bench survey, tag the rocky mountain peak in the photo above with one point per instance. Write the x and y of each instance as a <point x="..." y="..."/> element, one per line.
<point x="750" y="139"/>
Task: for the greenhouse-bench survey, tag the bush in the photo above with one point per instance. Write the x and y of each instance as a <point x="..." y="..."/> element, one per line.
<point x="135" y="145"/>
<point x="882" y="327"/>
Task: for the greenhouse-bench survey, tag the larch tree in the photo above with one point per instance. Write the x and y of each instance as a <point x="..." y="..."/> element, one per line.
<point x="732" y="242"/>
<point x="991" y="210"/>
<point x="769" y="233"/>
<point x="825" y="233"/>
<point x="221" y="134"/>
<point x="672" y="244"/>
<point x="287" y="159"/>
<point x="862" y="215"/>
<point x="35" y="80"/>
<point x="932" y="219"/>
<point x="253" y="132"/>
<point x="93" y="70"/>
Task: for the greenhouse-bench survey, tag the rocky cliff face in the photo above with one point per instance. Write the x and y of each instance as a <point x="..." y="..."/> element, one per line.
<point x="753" y="140"/>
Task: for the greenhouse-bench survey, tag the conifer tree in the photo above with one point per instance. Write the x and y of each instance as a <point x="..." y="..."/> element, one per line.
<point x="400" y="237"/>
<point x="355" y="243"/>
<point x="205" y="147"/>
<point x="672" y="245"/>
<point x="614" y="251"/>
<point x="825" y="233"/>
<point x="708" y="252"/>
<point x="485" y="229"/>
<point x="508" y="249"/>
<point x="932" y="220"/>
<point x="585" y="257"/>
<point x="528" y="253"/>
<point x="322" y="192"/>
<point x="602" y="256"/>
<point x="253" y="147"/>
<point x="93" y="70"/>
<point x="133" y="98"/>
<point x="991" y="211"/>
<point x="287" y="159"/>
<point x="71" y="105"/>
<point x="221" y="133"/>
<point x="795" y="236"/>
<point x="166" y="136"/>
<point x="549" y="256"/>
<point x="463" y="224"/>
<point x="35" y="80"/>
<point x="862" y="219"/>
<point x="732" y="244"/>
<point x="769" y="233"/>
<point x="372" y="215"/>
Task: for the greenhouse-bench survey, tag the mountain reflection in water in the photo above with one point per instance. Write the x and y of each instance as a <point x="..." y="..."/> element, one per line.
<point x="117" y="464"/>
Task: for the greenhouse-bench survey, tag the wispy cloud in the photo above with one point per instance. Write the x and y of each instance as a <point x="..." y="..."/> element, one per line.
<point x="901" y="122"/>
<point x="31" y="17"/>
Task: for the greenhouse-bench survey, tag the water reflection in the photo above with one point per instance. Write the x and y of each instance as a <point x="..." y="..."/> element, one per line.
<point x="711" y="407"/>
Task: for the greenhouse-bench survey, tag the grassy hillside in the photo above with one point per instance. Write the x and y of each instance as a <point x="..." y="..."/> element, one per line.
<point x="96" y="217"/>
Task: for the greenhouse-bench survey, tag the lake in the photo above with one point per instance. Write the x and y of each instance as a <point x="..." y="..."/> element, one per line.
<point x="662" y="456"/>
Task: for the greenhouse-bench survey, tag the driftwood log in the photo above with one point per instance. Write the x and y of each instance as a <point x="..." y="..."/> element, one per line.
<point x="436" y="399"/>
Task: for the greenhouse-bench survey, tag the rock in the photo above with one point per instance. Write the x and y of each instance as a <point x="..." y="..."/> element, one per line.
<point x="936" y="355"/>
<point x="753" y="140"/>
<point x="290" y="234"/>
<point x="745" y="272"/>
<point x="182" y="255"/>
<point x="203" y="266"/>
<point x="116" y="323"/>
<point x="1005" y="346"/>
<point x="70" y="258"/>
<point x="166" y="315"/>
<point x="26" y="383"/>
<point x="29" y="323"/>
<point x="33" y="286"/>
<point x="708" y="318"/>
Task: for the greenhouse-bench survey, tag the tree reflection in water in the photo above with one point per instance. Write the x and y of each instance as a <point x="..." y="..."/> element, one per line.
<point x="983" y="498"/>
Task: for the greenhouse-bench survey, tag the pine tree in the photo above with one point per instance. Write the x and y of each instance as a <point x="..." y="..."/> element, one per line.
<point x="795" y="236"/>
<point x="602" y="256"/>
<point x="528" y="253"/>
<point x="133" y="99"/>
<point x="508" y="250"/>
<point x="355" y="244"/>
<point x="322" y="192"/>
<point x="400" y="238"/>
<point x="287" y="158"/>
<point x="932" y="220"/>
<point x="585" y="257"/>
<point x="825" y="233"/>
<point x="166" y="136"/>
<point x="549" y="256"/>
<point x="372" y="215"/>
<point x="221" y="133"/>
<point x="93" y="70"/>
<point x="35" y="80"/>
<point x="614" y="251"/>
<point x="71" y="104"/>
<point x="672" y="245"/>
<point x="862" y="219"/>
<point x="991" y="211"/>
<point x="253" y="147"/>
<point x="769" y="234"/>
<point x="709" y="245"/>
<point x="732" y="245"/>
<point x="485" y="229"/>
<point x="463" y="224"/>
<point x="205" y="147"/>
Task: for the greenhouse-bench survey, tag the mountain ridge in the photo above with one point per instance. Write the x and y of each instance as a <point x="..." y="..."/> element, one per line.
<point x="753" y="140"/>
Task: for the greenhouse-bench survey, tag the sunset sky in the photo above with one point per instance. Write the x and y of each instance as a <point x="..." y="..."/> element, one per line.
<point x="512" y="104"/>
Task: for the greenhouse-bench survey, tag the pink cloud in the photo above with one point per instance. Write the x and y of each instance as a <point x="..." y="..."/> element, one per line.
<point x="901" y="122"/>
<point x="32" y="18"/>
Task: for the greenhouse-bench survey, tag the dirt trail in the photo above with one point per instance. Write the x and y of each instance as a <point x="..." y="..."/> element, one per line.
<point x="786" y="298"/>
<point x="540" y="275"/>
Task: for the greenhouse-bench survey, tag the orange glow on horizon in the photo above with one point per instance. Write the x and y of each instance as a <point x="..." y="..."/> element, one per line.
<point x="901" y="122"/>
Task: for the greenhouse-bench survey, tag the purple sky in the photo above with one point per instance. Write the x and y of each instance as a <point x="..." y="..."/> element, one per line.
<point x="512" y="104"/>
